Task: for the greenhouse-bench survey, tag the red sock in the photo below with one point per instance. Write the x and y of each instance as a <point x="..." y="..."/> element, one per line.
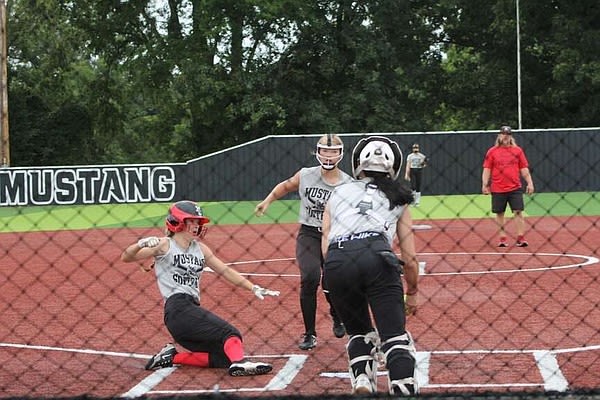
<point x="234" y="349"/>
<point x="195" y="359"/>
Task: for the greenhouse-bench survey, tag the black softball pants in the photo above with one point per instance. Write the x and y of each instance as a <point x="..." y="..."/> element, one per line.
<point x="198" y="329"/>
<point x="416" y="175"/>
<point x="359" y="278"/>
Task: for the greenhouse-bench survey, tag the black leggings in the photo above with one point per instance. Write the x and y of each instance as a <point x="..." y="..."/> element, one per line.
<point x="415" y="179"/>
<point x="310" y="261"/>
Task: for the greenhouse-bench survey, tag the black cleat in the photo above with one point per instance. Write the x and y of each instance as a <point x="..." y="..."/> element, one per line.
<point x="339" y="330"/>
<point x="308" y="342"/>
<point x="163" y="359"/>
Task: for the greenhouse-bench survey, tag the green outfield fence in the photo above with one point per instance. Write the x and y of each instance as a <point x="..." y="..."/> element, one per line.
<point x="76" y="322"/>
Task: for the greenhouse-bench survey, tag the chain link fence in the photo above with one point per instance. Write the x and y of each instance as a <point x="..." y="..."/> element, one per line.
<point x="491" y="322"/>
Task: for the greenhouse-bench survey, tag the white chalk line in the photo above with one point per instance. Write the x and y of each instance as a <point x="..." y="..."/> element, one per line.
<point x="545" y="359"/>
<point x="589" y="261"/>
<point x="279" y="381"/>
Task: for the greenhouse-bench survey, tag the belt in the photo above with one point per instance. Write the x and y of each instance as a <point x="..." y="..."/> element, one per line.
<point x="340" y="240"/>
<point x="312" y="228"/>
<point x="184" y="296"/>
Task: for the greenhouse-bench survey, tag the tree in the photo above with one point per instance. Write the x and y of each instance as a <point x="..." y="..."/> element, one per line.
<point x="559" y="64"/>
<point x="171" y="82"/>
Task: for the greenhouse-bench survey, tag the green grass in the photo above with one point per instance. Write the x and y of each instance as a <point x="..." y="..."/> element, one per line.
<point x="536" y="205"/>
<point x="27" y="219"/>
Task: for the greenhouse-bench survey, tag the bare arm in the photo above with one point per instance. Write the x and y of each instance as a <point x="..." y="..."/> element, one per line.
<point x="136" y="252"/>
<point x="145" y="248"/>
<point x="232" y="275"/>
<point x="406" y="240"/>
<point x="407" y="171"/>
<point x="281" y="189"/>
<point x="485" y="181"/>
<point x="326" y="225"/>
<point x="527" y="176"/>
<point x="224" y="270"/>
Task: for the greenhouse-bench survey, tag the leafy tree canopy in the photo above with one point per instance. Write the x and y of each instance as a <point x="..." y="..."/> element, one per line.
<point x="99" y="81"/>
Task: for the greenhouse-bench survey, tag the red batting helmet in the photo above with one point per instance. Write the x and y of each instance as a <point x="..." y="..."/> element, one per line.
<point x="180" y="212"/>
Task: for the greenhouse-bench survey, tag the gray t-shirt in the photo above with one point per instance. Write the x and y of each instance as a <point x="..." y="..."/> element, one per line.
<point x="314" y="193"/>
<point x="179" y="271"/>
<point x="416" y="160"/>
<point x="360" y="207"/>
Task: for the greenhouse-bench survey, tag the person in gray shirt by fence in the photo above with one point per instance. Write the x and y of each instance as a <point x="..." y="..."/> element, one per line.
<point x="415" y="163"/>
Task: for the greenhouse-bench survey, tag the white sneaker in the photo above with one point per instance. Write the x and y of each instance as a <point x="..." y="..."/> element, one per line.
<point x="362" y="385"/>
<point x="249" y="368"/>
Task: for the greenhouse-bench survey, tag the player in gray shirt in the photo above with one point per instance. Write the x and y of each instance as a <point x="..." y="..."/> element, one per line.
<point x="415" y="163"/>
<point x="314" y="185"/>
<point x="179" y="261"/>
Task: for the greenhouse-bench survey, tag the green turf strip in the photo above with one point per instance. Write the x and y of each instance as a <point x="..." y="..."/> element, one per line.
<point x="46" y="218"/>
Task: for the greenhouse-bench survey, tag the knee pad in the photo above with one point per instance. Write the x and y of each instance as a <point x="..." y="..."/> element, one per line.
<point x="400" y="358"/>
<point x="361" y="351"/>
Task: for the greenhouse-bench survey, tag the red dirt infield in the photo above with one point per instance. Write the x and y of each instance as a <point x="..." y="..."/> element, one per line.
<point x="76" y="320"/>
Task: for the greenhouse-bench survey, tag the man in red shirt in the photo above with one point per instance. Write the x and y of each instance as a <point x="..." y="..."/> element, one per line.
<point x="505" y="163"/>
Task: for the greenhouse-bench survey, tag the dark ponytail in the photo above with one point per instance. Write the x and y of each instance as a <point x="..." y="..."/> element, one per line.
<point x="397" y="192"/>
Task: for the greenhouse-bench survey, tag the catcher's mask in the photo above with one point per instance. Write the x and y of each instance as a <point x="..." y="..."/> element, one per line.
<point x="379" y="154"/>
<point x="182" y="211"/>
<point x="331" y="142"/>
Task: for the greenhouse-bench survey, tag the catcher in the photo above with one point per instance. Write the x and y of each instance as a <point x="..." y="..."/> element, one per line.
<point x="179" y="260"/>
<point x="361" y="221"/>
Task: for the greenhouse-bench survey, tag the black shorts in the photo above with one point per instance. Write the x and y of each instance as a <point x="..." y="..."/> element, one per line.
<point x="514" y="199"/>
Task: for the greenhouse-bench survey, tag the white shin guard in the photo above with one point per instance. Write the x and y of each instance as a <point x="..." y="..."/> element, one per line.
<point x="363" y="379"/>
<point x="399" y="386"/>
<point x="405" y="386"/>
